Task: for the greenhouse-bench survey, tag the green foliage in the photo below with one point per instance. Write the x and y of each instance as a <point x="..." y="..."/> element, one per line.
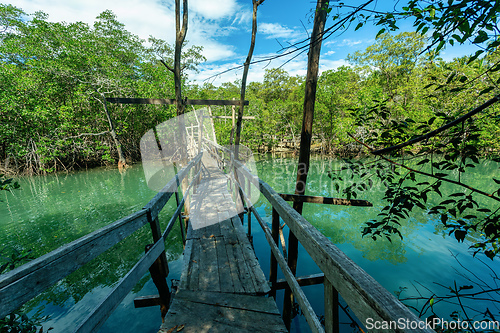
<point x="16" y="258"/>
<point x="8" y="184"/>
<point x="19" y="322"/>
<point x="53" y="78"/>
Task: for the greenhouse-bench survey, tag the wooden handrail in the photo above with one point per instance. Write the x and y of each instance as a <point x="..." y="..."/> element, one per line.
<point x="311" y="317"/>
<point x="161" y="198"/>
<point x="27" y="281"/>
<point x="99" y="315"/>
<point x="364" y="295"/>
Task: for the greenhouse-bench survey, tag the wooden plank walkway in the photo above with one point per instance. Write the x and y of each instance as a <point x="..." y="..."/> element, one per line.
<point x="222" y="287"/>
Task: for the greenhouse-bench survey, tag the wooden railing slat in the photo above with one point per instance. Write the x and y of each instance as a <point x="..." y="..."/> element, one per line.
<point x="311" y="317"/>
<point x="27" y="281"/>
<point x="325" y="200"/>
<point x="161" y="198"/>
<point x="99" y="315"/>
<point x="166" y="101"/>
<point x="364" y="295"/>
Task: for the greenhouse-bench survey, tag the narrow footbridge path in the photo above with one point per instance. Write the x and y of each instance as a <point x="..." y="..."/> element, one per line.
<point x="222" y="287"/>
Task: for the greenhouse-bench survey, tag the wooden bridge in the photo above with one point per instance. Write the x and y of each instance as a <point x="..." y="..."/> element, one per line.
<point x="222" y="286"/>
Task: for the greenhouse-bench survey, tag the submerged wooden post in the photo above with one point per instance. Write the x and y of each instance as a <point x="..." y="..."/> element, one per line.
<point x="331" y="308"/>
<point x="273" y="274"/>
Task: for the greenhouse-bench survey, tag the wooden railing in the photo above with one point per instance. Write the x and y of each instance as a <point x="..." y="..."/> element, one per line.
<point x="369" y="301"/>
<point x="25" y="282"/>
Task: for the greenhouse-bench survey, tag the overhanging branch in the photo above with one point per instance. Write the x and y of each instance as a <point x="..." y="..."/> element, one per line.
<point x="437" y="131"/>
<point x="494" y="197"/>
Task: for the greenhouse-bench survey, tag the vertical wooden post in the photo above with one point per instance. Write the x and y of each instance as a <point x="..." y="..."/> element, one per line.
<point x="293" y="250"/>
<point x="305" y="139"/>
<point x="160" y="281"/>
<point x="212" y="122"/>
<point x="156" y="231"/>
<point x="249" y="191"/>
<point x="200" y="131"/>
<point x="273" y="273"/>
<point x="233" y="117"/>
<point x="177" y="202"/>
<point x="159" y="270"/>
<point x="331" y="308"/>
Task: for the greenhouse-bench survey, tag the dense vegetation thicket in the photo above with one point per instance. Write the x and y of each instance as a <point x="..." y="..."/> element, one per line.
<point x="55" y="77"/>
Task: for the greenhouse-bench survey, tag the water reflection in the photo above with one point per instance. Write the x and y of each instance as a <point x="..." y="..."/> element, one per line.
<point x="50" y="211"/>
<point x="426" y="261"/>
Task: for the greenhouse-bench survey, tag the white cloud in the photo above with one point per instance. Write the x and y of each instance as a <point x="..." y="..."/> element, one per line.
<point x="212" y="73"/>
<point x="326" y="64"/>
<point x="213" y="9"/>
<point x="342" y="43"/>
<point x="350" y="42"/>
<point x="208" y="19"/>
<point x="329" y="53"/>
<point x="276" y="30"/>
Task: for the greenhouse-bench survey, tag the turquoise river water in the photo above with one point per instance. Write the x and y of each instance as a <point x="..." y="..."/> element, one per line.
<point x="49" y="211"/>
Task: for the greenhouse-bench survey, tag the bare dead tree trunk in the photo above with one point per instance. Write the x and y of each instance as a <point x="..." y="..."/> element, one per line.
<point x="179" y="40"/>
<point x="121" y="158"/>
<point x="306" y="137"/>
<point x="256" y="4"/>
<point x="180" y="36"/>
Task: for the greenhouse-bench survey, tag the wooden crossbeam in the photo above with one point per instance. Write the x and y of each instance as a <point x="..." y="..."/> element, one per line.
<point x="324" y="200"/>
<point x="164" y="101"/>
<point x="230" y="117"/>
<point x="308" y="280"/>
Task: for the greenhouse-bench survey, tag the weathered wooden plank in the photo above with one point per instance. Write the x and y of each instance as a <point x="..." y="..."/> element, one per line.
<point x="25" y="282"/>
<point x="164" y="101"/>
<point x="97" y="317"/>
<point x="185" y="275"/>
<point x="324" y="200"/>
<point x="364" y="295"/>
<point x="194" y="266"/>
<point x="221" y="312"/>
<point x="209" y="231"/>
<point x="147" y="301"/>
<point x="226" y="229"/>
<point x="234" y="270"/>
<point x="226" y="283"/>
<point x="209" y="271"/>
<point x="237" y="301"/>
<point x="258" y="277"/>
<point x="245" y="274"/>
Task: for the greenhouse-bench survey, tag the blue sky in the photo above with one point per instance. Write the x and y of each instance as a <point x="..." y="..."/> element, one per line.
<point x="223" y="28"/>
